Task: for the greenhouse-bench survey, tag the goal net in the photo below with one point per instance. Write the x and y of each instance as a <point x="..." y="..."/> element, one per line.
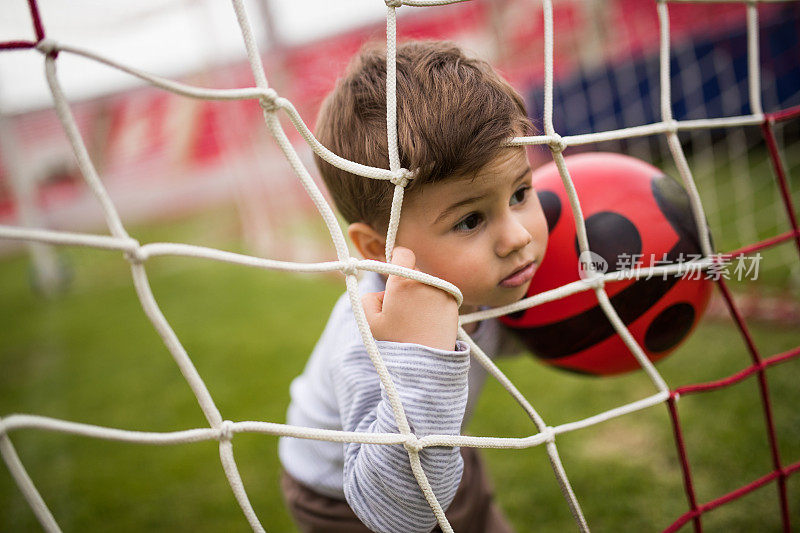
<point x="669" y="127"/>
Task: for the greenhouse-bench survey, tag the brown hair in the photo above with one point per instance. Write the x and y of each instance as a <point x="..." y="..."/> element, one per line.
<point x="453" y="115"/>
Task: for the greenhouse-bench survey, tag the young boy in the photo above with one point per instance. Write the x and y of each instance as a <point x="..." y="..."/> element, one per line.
<point x="469" y="217"/>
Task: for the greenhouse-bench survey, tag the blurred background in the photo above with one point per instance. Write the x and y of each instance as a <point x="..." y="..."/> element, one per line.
<point x="162" y="155"/>
<point x="74" y="343"/>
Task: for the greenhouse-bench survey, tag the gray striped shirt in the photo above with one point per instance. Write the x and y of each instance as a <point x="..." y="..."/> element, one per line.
<point x="340" y="390"/>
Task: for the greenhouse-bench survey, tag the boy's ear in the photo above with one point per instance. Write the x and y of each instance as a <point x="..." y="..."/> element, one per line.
<point x="370" y="243"/>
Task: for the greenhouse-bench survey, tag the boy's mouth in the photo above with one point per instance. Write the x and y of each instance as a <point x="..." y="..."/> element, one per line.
<point x="520" y="276"/>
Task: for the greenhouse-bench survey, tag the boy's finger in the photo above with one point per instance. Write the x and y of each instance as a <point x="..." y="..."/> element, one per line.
<point x="404" y="257"/>
<point x="373" y="303"/>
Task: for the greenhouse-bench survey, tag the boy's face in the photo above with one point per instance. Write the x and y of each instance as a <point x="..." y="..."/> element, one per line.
<point x="485" y="235"/>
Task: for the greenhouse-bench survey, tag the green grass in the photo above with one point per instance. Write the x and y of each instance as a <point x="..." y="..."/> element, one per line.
<point x="743" y="205"/>
<point x="92" y="356"/>
<point x="625" y="472"/>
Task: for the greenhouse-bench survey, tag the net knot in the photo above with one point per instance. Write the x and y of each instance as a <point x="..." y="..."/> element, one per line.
<point x="225" y="431"/>
<point x="549" y="434"/>
<point x="594" y="279"/>
<point x="135" y="255"/>
<point x="557" y="143"/>
<point x="413" y="444"/>
<point x="671" y="126"/>
<point x="393" y="3"/>
<point x="269" y="100"/>
<point x="350" y="266"/>
<point x="402" y="177"/>
<point x="48" y="47"/>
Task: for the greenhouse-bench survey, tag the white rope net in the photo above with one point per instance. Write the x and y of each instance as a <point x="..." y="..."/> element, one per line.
<point x="223" y="430"/>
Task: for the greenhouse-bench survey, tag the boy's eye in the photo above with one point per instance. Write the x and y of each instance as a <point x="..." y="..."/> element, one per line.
<point x="469" y="222"/>
<point x="519" y="196"/>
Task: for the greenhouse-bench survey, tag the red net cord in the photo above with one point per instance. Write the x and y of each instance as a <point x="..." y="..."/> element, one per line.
<point x="761" y="245"/>
<point x="687" y="475"/>
<point x="38" y="27"/>
<point x="16" y="45"/>
<point x="780" y="174"/>
<point x="733" y="495"/>
<point x="758" y="367"/>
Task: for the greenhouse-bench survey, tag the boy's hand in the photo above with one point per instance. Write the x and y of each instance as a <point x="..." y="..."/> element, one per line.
<point x="410" y="311"/>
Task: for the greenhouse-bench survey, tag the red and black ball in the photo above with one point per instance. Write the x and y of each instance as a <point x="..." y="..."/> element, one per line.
<point x="635" y="217"/>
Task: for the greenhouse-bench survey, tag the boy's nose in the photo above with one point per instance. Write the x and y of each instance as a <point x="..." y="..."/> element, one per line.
<point x="513" y="236"/>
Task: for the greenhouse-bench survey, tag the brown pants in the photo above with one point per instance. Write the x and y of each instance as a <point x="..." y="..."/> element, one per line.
<point x="472" y="509"/>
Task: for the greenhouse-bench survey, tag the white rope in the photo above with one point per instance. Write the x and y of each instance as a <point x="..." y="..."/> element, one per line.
<point x="391" y="87"/>
<point x="335" y="160"/>
<point x="117" y="230"/>
<point x="235" y="481"/>
<point x="338" y="239"/>
<point x="581" y="285"/>
<point x="350" y="280"/>
<point x="79" y="148"/>
<point x="271" y="103"/>
<point x="545" y="433"/>
<point x="26" y="486"/>
<point x="268" y="97"/>
<point x="640" y="131"/>
<point x="18" y="422"/>
<point x="547" y="7"/>
<point x="372" y="350"/>
<point x="712" y="123"/>
<point x="200" y="93"/>
<point x="753" y="63"/>
<point x="343" y="254"/>
<point x="479" y="355"/>
<point x="575" y="205"/>
<point x="102" y="242"/>
<point x="672" y="135"/>
<point x="605" y="416"/>
<point x="694" y="196"/>
<point x="630" y="342"/>
<point x="394" y="220"/>
<point x="566" y="488"/>
<point x="250" y="45"/>
<point x="663" y="65"/>
<point x="115" y="225"/>
<point x="427" y="490"/>
<point x="557" y="146"/>
<point x="153" y="312"/>
<point x="230" y="429"/>
<point x="391" y="127"/>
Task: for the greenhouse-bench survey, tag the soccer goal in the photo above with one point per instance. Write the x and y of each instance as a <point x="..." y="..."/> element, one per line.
<point x="682" y="138"/>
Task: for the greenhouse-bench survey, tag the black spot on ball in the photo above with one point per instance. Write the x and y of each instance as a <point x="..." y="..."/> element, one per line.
<point x="674" y="203"/>
<point x="669" y="327"/>
<point x="612" y="236"/>
<point x="551" y="206"/>
<point x="583" y="330"/>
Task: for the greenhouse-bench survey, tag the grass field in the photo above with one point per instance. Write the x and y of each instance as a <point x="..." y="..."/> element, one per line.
<point x="92" y="356"/>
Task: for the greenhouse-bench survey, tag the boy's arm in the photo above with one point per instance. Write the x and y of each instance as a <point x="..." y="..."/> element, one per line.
<point x="410" y="311"/>
<point x="432" y="383"/>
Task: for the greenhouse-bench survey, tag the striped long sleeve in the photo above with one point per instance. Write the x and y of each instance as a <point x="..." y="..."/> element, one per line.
<point x="339" y="389"/>
<point x="378" y="482"/>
